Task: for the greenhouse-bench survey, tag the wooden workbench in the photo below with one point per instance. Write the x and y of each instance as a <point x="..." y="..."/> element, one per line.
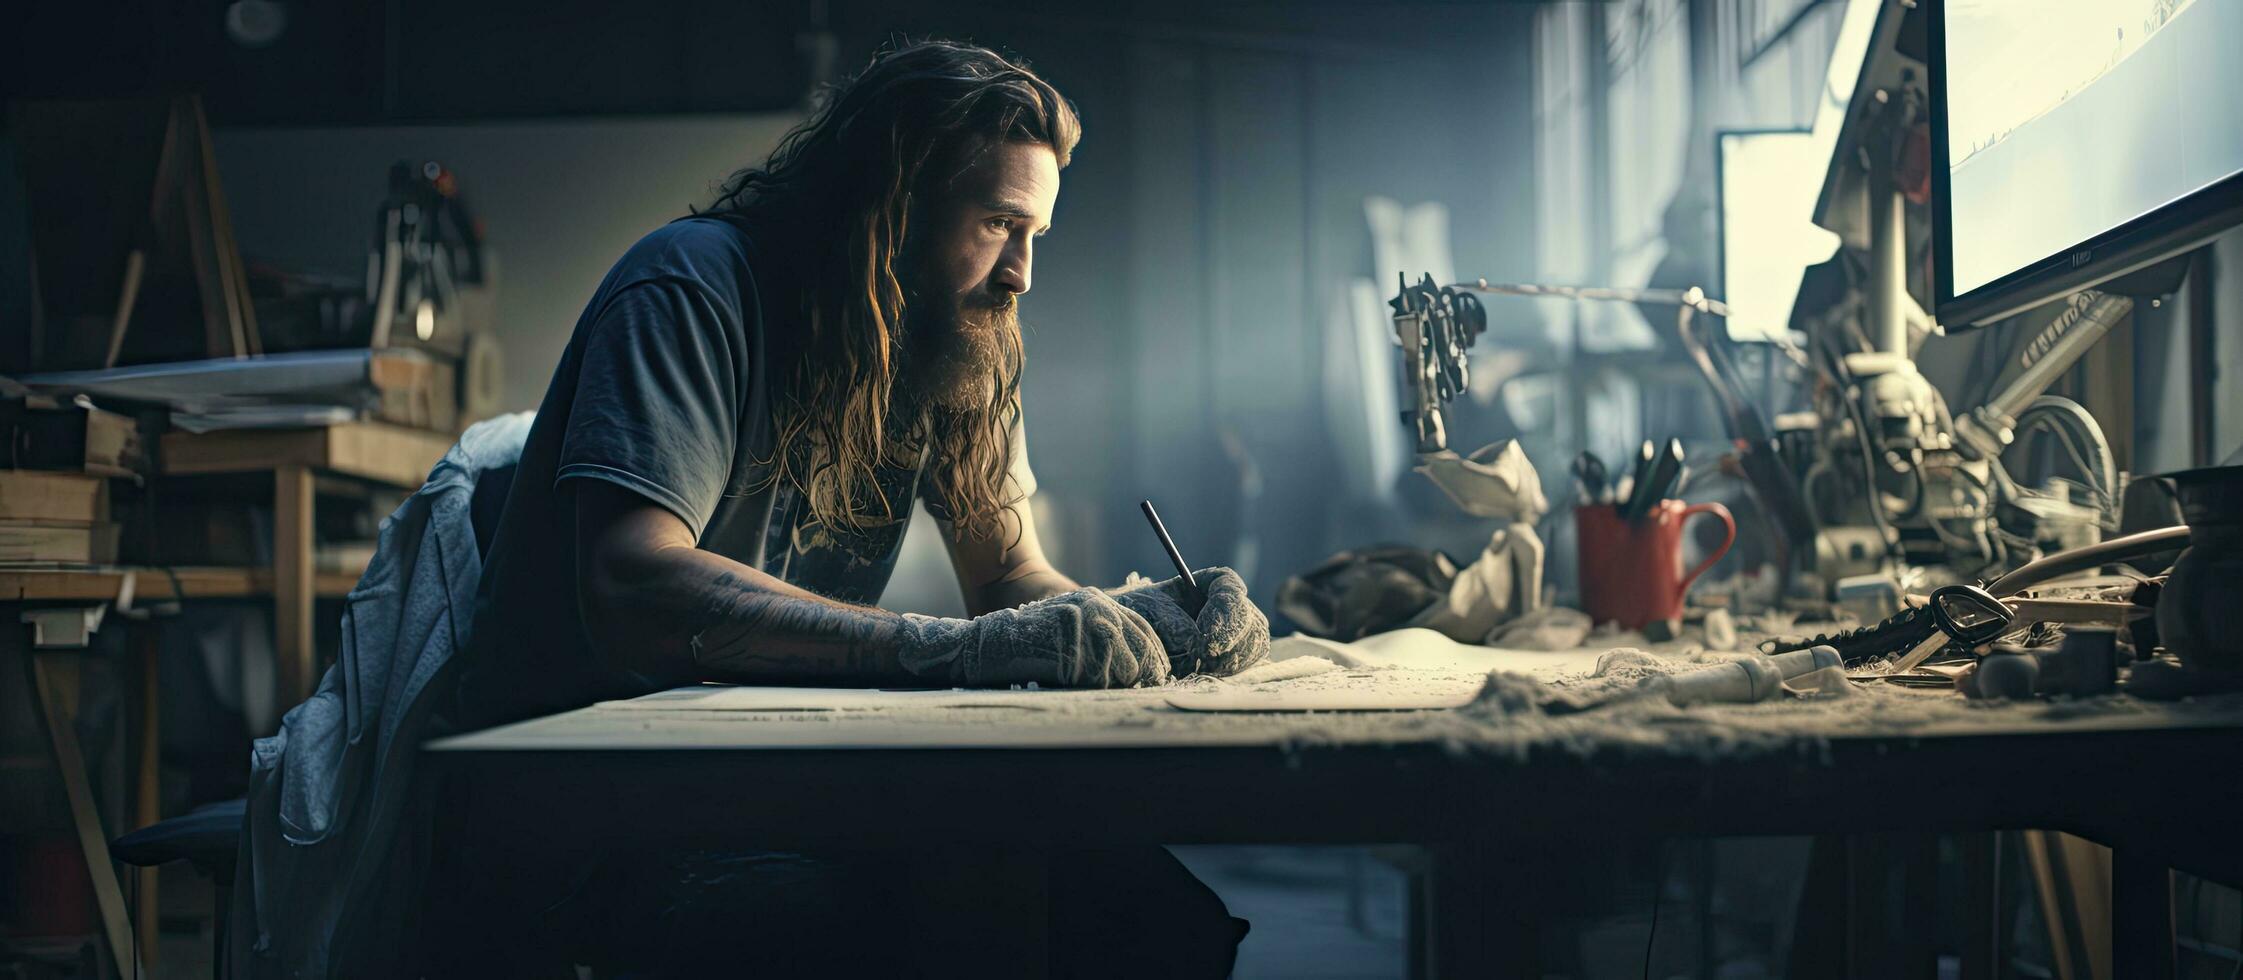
<point x="1497" y="795"/>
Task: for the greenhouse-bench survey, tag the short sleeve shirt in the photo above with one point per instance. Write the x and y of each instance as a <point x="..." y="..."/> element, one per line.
<point x="664" y="390"/>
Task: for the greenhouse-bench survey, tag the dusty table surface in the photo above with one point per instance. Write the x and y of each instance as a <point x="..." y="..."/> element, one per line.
<point x="712" y="765"/>
<point x="1361" y="694"/>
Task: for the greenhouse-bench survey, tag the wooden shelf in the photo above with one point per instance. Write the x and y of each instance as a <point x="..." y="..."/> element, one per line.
<point x="155" y="584"/>
<point x="391" y="454"/>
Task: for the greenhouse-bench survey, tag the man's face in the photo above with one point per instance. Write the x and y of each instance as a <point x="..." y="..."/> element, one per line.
<point x="972" y="261"/>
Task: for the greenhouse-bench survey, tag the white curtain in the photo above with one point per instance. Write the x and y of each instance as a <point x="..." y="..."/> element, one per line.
<point x="1647" y="43"/>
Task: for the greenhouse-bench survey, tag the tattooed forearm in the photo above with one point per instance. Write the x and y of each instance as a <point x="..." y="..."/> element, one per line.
<point x="673" y="613"/>
<point x="756" y="632"/>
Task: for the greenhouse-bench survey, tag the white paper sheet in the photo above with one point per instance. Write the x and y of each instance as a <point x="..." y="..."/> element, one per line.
<point x="1424" y="649"/>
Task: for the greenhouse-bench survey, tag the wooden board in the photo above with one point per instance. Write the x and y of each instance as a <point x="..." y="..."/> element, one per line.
<point x="59" y="542"/>
<point x="30" y="495"/>
<point x="390" y="454"/>
<point x="417" y="391"/>
<point x="153" y="584"/>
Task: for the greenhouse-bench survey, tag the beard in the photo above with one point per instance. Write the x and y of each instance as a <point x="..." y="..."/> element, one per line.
<point x="955" y="355"/>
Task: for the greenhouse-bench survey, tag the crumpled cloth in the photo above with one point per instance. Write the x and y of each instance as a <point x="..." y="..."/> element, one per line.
<point x="1504" y="584"/>
<point x="1357" y="593"/>
<point x="1371" y="590"/>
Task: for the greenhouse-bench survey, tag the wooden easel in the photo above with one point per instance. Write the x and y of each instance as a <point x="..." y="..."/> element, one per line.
<point x="187" y="175"/>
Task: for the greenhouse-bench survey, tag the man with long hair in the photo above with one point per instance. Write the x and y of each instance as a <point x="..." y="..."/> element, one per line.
<point x="718" y="480"/>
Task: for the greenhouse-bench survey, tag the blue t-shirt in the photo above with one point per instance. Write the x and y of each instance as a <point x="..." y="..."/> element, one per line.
<point x="664" y="390"/>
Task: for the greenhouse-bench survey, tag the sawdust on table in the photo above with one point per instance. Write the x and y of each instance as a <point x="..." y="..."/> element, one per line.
<point x="1517" y="707"/>
<point x="1522" y="712"/>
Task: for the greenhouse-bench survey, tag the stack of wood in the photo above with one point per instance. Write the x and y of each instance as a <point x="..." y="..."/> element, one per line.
<point x="55" y="517"/>
<point x="54" y="493"/>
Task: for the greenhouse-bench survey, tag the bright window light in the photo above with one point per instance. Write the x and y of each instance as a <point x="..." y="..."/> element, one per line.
<point x="1769" y="182"/>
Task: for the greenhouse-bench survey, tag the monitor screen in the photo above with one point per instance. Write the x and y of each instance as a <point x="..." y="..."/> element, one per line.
<point x="2065" y="120"/>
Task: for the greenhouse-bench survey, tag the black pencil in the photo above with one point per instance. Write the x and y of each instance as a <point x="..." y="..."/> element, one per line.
<point x="1169" y="545"/>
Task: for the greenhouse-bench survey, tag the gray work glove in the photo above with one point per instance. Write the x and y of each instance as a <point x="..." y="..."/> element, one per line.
<point x="1074" y="639"/>
<point x="1214" y="630"/>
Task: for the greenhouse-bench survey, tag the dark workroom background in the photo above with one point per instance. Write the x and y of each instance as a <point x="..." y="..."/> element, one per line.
<point x="1209" y="328"/>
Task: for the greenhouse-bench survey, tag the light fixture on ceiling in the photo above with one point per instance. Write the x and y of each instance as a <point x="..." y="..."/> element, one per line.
<point x="256" y="23"/>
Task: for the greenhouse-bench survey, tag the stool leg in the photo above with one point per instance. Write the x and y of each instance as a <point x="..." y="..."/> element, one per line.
<point x="148" y="796"/>
<point x="50" y="674"/>
<point x="218" y="943"/>
<point x="2141" y="915"/>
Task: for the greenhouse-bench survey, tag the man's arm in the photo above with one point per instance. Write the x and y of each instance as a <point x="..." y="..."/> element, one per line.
<point x="1007" y="568"/>
<point x="675" y="613"/>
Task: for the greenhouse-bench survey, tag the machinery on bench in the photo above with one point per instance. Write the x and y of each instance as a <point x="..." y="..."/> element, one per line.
<point x="1884" y="489"/>
<point x="1943" y="509"/>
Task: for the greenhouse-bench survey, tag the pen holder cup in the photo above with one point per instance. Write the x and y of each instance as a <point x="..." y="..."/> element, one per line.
<point x="1631" y="572"/>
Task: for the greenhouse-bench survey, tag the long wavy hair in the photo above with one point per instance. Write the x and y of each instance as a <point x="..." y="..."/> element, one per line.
<point x="839" y="195"/>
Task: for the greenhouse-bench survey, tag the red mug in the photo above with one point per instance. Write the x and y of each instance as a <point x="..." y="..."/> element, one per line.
<point x="1631" y="574"/>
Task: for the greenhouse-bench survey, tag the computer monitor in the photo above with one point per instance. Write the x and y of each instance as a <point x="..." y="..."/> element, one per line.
<point x="2076" y="140"/>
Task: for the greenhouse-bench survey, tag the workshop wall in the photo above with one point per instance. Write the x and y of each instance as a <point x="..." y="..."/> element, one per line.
<point x="2225" y="291"/>
<point x="2187" y="350"/>
<point x="1250" y="169"/>
<point x="1209" y="222"/>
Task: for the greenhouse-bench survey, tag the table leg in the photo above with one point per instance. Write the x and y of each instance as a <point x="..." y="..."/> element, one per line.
<point x="1982" y="918"/>
<point x="2141" y="915"/>
<point x="1418" y="906"/>
<point x="1919" y="899"/>
<point x="1003" y="931"/>
<point x="1819" y="930"/>
<point x="53" y="683"/>
<point x="1869" y="927"/>
<point x="2073" y="879"/>
<point x="1481" y="920"/>
<point x="1456" y="920"/>
<point x="148" y="795"/>
<point x="292" y="584"/>
<point x="1703" y="863"/>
